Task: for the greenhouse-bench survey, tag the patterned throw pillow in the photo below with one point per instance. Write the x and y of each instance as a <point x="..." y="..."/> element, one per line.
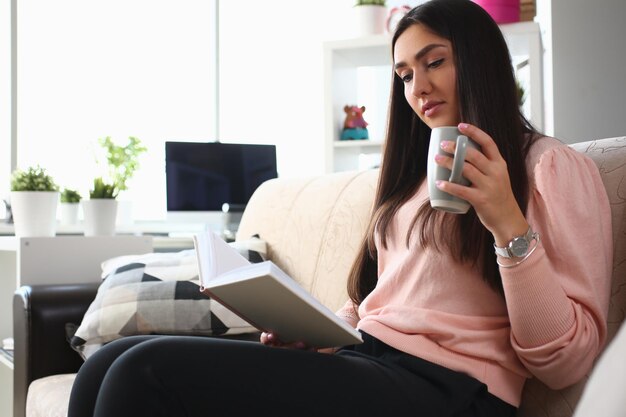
<point x="156" y="293"/>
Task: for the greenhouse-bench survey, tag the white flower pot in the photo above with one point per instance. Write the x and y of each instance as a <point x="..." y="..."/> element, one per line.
<point x="69" y="213"/>
<point x="34" y="212"/>
<point x="370" y="19"/>
<point x="100" y="215"/>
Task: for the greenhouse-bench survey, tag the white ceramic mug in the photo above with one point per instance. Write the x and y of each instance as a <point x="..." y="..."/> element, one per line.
<point x="439" y="199"/>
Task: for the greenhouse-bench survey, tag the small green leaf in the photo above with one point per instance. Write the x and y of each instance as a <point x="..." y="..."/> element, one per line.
<point x="33" y="179"/>
<point x="103" y="190"/>
<point x="70" y="196"/>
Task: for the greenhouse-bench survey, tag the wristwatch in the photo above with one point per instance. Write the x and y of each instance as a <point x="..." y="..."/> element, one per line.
<point x="517" y="247"/>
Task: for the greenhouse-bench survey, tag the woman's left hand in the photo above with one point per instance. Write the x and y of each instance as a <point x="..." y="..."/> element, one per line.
<point x="490" y="191"/>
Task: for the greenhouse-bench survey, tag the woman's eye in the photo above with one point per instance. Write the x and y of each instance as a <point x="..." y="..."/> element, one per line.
<point x="436" y="63"/>
<point x="406" y="78"/>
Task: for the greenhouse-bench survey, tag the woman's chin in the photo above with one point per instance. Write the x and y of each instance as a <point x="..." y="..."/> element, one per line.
<point x="440" y="122"/>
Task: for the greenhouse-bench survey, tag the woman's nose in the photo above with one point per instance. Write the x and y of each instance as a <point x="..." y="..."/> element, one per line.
<point x="421" y="86"/>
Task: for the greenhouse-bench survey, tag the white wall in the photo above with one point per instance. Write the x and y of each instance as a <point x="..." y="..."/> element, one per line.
<point x="271" y="75"/>
<point x="585" y="64"/>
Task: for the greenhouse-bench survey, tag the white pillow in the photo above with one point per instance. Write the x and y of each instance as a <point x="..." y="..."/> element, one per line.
<point x="604" y="393"/>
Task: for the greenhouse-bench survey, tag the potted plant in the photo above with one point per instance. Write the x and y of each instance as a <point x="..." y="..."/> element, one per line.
<point x="371" y="17"/>
<point x="123" y="162"/>
<point x="100" y="210"/>
<point x="34" y="197"/>
<point x="70" y="201"/>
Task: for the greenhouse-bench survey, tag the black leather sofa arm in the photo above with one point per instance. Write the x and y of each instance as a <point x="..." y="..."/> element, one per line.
<point x="40" y="313"/>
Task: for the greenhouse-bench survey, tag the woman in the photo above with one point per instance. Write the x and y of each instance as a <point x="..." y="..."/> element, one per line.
<point x="449" y="327"/>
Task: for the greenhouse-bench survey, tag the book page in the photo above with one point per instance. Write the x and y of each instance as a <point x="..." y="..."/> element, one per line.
<point x="266" y="297"/>
<point x="215" y="256"/>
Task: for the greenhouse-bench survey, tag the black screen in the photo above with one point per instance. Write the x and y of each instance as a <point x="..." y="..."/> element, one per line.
<point x="202" y="176"/>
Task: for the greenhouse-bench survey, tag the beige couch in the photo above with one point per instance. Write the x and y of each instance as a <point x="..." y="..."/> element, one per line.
<point x="313" y="228"/>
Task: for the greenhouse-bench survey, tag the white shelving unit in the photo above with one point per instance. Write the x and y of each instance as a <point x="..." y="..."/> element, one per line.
<point x="344" y="64"/>
<point x="524" y="42"/>
<point x="358" y="72"/>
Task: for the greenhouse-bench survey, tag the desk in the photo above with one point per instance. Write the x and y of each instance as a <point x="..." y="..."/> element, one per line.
<point x="65" y="260"/>
<point x="155" y="228"/>
<point x="56" y="260"/>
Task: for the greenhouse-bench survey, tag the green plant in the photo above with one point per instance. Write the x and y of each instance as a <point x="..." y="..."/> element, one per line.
<point x="370" y="2"/>
<point x="33" y="179"/>
<point x="70" y="196"/>
<point x="103" y="190"/>
<point x="123" y="160"/>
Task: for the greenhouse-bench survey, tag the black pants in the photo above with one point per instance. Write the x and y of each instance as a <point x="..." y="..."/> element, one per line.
<point x="196" y="376"/>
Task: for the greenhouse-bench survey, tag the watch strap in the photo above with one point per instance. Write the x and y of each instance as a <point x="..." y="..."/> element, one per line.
<point x="505" y="252"/>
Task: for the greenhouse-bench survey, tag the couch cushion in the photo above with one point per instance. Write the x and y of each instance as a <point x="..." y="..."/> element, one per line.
<point x="156" y="293"/>
<point x="610" y="157"/>
<point x="49" y="396"/>
<point x="313" y="227"/>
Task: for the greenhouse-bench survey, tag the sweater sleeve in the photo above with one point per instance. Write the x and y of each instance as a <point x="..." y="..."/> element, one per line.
<point x="348" y="313"/>
<point x="558" y="298"/>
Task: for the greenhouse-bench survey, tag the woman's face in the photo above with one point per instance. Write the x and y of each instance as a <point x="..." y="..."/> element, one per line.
<point x="424" y="62"/>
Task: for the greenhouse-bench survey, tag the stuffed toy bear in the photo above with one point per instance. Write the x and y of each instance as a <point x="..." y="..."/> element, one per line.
<point x="354" y="126"/>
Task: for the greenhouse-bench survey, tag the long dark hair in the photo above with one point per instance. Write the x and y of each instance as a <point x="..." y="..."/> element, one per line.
<point x="488" y="98"/>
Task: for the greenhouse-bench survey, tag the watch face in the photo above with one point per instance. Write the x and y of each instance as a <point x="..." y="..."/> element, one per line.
<point x="519" y="247"/>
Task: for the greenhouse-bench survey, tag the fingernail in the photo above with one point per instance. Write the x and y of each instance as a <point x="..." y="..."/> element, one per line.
<point x="438" y="183"/>
<point x="463" y="125"/>
<point x="444" y="144"/>
<point x="438" y="157"/>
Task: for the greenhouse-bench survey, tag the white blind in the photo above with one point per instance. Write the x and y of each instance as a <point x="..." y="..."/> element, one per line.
<point x="119" y="68"/>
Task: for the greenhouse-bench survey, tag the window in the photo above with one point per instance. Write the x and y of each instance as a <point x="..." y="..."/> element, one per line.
<point x="147" y="68"/>
<point x="119" y="68"/>
<point x="5" y="99"/>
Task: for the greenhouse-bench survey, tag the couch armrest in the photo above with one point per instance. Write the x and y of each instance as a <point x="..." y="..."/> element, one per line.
<point x="40" y="313"/>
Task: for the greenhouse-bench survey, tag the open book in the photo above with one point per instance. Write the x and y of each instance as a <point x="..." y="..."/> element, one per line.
<point x="266" y="297"/>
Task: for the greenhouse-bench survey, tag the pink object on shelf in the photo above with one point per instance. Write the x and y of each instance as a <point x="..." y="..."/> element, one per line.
<point x="502" y="11"/>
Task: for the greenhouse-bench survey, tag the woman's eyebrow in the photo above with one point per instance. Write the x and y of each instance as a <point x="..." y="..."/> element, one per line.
<point x="420" y="54"/>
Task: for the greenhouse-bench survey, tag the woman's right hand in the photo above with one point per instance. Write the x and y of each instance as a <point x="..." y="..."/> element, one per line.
<point x="271" y="339"/>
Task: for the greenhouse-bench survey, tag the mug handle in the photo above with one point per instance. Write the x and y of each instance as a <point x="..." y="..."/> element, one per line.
<point x="459" y="159"/>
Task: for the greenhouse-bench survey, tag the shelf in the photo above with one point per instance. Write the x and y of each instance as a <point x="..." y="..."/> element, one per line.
<point x="365" y="51"/>
<point x="357" y="72"/>
<point x="357" y="144"/>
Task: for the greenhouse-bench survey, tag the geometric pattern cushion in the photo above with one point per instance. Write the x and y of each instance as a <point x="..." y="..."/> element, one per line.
<point x="156" y="293"/>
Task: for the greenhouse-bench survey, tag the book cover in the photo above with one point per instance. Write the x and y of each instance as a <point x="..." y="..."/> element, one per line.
<point x="266" y="297"/>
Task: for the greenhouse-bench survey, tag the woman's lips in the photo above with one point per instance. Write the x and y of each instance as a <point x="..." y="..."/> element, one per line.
<point x="432" y="109"/>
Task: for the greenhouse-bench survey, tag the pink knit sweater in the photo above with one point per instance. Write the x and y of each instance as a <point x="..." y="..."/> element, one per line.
<point x="551" y="323"/>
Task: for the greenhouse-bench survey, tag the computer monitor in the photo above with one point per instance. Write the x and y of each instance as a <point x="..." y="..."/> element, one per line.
<point x="203" y="176"/>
